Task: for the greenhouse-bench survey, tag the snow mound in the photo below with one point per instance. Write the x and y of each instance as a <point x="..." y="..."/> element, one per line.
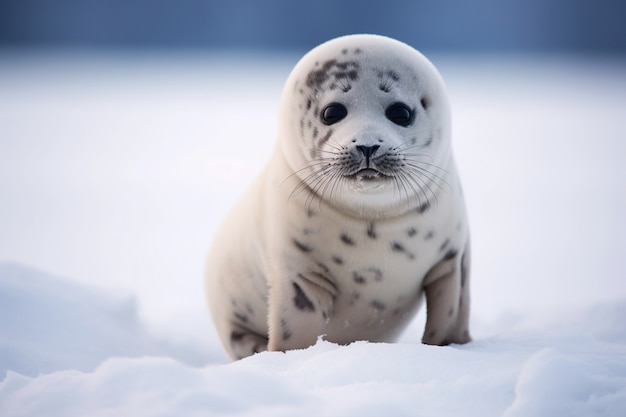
<point x="72" y="350"/>
<point x="553" y="382"/>
<point x="49" y="324"/>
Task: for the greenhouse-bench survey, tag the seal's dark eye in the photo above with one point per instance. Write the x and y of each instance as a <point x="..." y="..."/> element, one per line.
<point x="333" y="113"/>
<point x="400" y="114"/>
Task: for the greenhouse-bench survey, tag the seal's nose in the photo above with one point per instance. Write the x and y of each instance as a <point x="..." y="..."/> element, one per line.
<point x="367" y="151"/>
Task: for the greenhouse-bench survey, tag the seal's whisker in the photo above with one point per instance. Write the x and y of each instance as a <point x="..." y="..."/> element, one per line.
<point x="401" y="185"/>
<point x="429" y="164"/>
<point x="310" y="181"/>
<point x="414" y="186"/>
<point x="424" y="183"/>
<point x="433" y="177"/>
<point x="336" y="145"/>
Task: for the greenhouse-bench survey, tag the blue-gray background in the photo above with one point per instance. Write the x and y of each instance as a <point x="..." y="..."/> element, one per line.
<point x="570" y="26"/>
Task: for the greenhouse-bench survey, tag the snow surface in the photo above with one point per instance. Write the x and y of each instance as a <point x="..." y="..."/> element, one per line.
<point x="115" y="170"/>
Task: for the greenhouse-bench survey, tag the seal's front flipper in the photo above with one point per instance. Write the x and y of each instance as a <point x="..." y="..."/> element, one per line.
<point x="447" y="301"/>
<point x="243" y="342"/>
<point x="299" y="311"/>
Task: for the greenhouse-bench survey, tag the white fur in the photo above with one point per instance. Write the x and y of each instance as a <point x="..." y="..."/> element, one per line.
<point x="274" y="269"/>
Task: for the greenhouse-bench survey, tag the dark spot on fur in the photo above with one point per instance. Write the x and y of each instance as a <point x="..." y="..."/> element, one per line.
<point x="444" y="245"/>
<point x="304" y="248"/>
<point x="399" y="248"/>
<point x="425" y="103"/>
<point x="323" y="268"/>
<point x="371" y="232"/>
<point x="450" y="254"/>
<point x="315" y="132"/>
<point x="339" y="71"/>
<point x="286" y="332"/>
<point x="337" y="260"/>
<point x="236" y="336"/>
<point x="300" y="300"/>
<point x="366" y="275"/>
<point x="429" y="235"/>
<point x="241" y="317"/>
<point x="411" y="232"/>
<point x="325" y="138"/>
<point x="423" y="208"/>
<point x="309" y="103"/>
<point x="396" y="311"/>
<point x="316" y="78"/>
<point x="347" y="239"/>
<point x="378" y="305"/>
<point x="451" y="312"/>
<point x="432" y="334"/>
<point x="352" y="75"/>
<point x="358" y="278"/>
<point x="463" y="271"/>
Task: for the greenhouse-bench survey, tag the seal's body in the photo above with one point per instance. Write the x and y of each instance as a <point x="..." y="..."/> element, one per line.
<point x="357" y="214"/>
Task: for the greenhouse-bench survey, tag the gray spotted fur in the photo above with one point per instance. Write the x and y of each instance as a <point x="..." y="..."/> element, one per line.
<point x="305" y="254"/>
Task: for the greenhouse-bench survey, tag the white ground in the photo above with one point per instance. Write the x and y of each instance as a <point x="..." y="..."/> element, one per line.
<point x="115" y="171"/>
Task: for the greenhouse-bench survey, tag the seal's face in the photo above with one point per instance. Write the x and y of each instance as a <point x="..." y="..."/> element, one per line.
<point x="368" y="125"/>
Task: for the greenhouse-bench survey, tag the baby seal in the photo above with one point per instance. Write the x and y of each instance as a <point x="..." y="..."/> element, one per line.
<point x="357" y="215"/>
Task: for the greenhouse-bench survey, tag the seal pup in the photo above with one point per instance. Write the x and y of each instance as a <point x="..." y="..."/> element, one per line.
<point x="358" y="214"/>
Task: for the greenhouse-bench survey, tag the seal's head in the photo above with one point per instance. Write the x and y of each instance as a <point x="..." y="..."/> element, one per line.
<point x="365" y="126"/>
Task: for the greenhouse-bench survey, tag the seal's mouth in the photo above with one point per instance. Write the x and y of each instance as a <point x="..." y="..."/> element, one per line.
<point x="368" y="180"/>
<point x="367" y="174"/>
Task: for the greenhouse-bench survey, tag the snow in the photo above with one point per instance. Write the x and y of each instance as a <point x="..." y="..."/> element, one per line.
<point x="115" y="170"/>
